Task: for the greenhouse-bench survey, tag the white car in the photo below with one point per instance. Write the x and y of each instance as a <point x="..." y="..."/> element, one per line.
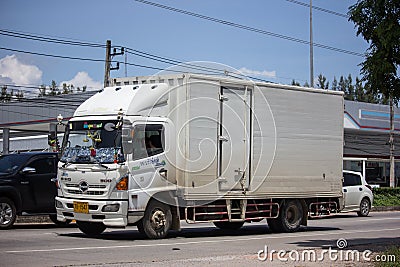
<point x="357" y="193"/>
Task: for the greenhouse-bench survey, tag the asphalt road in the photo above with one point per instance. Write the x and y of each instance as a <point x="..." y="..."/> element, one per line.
<point x="195" y="245"/>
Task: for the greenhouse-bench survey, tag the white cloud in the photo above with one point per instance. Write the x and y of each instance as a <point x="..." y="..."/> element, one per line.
<point x="264" y="73"/>
<point x="11" y="69"/>
<point x="81" y="79"/>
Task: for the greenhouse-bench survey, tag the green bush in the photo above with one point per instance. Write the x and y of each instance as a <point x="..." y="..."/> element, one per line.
<point x="386" y="196"/>
<point x="394" y="253"/>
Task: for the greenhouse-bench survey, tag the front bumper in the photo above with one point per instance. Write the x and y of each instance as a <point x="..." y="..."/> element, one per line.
<point x="119" y="218"/>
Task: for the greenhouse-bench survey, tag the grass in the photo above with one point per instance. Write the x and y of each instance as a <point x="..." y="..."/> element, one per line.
<point x="386" y="196"/>
<point x="391" y="257"/>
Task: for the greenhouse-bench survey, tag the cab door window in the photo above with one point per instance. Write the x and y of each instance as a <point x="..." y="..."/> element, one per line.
<point x="148" y="140"/>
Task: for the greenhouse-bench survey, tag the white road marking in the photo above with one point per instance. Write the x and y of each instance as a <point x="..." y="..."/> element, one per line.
<point x="308" y="235"/>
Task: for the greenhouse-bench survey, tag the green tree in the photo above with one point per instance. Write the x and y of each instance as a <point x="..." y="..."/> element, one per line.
<point x="350" y="87"/>
<point x="65" y="88"/>
<point x="322" y="83"/>
<point x="294" y="83"/>
<point x="19" y="95"/>
<point x="378" y="22"/>
<point x="334" y="84"/>
<point x="4" y="94"/>
<point x="42" y="90"/>
<point x="53" y="88"/>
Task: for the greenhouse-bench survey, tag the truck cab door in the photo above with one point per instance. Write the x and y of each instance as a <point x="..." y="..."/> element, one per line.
<point x="147" y="160"/>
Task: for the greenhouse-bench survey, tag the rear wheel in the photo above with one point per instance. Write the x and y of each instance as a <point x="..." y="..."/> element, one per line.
<point x="289" y="219"/>
<point x="8" y="213"/>
<point x="91" y="228"/>
<point x="229" y="225"/>
<point x="157" y="220"/>
<point x="365" y="207"/>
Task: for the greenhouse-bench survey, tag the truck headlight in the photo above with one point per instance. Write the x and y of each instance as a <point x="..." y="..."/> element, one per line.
<point x="110" y="208"/>
<point x="122" y="183"/>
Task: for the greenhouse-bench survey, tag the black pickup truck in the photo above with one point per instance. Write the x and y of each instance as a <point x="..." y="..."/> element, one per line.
<point x="26" y="186"/>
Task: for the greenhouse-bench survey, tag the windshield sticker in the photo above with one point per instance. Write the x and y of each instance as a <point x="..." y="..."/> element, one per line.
<point x="109" y="127"/>
<point x="92" y="126"/>
<point x="153" y="161"/>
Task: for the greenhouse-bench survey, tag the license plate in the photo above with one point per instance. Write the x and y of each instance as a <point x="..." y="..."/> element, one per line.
<point x="81" y="207"/>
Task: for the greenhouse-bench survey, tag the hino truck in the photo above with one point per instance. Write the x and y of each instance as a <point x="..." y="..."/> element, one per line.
<point x="201" y="149"/>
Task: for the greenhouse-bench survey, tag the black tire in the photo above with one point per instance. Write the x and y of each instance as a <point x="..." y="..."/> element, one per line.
<point x="140" y="228"/>
<point x="365" y="207"/>
<point x="289" y="219"/>
<point x="229" y="225"/>
<point x="91" y="228"/>
<point x="272" y="225"/>
<point x="8" y="213"/>
<point x="53" y="218"/>
<point x="157" y="220"/>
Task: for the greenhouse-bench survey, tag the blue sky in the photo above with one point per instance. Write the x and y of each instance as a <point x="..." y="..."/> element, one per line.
<point x="173" y="35"/>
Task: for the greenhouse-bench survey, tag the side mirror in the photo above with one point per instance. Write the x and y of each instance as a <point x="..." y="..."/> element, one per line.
<point x="127" y="140"/>
<point x="28" y="170"/>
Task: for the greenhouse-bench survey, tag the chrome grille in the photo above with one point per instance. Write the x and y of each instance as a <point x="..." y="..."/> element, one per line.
<point x="93" y="189"/>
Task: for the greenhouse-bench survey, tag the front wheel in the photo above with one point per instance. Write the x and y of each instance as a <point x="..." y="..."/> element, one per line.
<point x="365" y="207"/>
<point x="8" y="213"/>
<point x="157" y="220"/>
<point x="91" y="228"/>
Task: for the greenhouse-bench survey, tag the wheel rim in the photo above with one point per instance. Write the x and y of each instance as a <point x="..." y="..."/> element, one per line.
<point x="157" y="219"/>
<point x="364" y="207"/>
<point x="292" y="215"/>
<point x="6" y="213"/>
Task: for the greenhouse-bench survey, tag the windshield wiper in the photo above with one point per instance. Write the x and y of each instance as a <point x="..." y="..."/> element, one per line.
<point x="67" y="163"/>
<point x="102" y="165"/>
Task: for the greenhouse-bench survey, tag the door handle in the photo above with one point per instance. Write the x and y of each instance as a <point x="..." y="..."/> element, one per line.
<point x="345" y="190"/>
<point x="163" y="173"/>
<point x="360" y="189"/>
<point x="24" y="182"/>
<point x="223" y="138"/>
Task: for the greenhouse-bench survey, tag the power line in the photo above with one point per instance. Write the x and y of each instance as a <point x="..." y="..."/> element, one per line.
<point x="319" y="8"/>
<point x="208" y="70"/>
<point x="47" y="39"/>
<point x="248" y="28"/>
<point x="129" y="50"/>
<point x="75" y="58"/>
<point x="102" y="60"/>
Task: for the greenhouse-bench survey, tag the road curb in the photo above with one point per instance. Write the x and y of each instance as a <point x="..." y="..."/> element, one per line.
<point x="33" y="219"/>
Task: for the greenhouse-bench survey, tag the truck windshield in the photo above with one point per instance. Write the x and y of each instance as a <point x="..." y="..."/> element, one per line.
<point x="93" y="142"/>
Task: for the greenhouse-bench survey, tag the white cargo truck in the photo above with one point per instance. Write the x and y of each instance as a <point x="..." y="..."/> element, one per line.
<point x="201" y="149"/>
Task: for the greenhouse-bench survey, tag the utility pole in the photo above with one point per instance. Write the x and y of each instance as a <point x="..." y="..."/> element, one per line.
<point x="6" y="141"/>
<point x="108" y="63"/>
<point x="311" y="49"/>
<point x="109" y="56"/>
<point x="391" y="143"/>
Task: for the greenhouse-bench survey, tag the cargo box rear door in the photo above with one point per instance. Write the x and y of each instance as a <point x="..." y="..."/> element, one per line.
<point x="235" y="138"/>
